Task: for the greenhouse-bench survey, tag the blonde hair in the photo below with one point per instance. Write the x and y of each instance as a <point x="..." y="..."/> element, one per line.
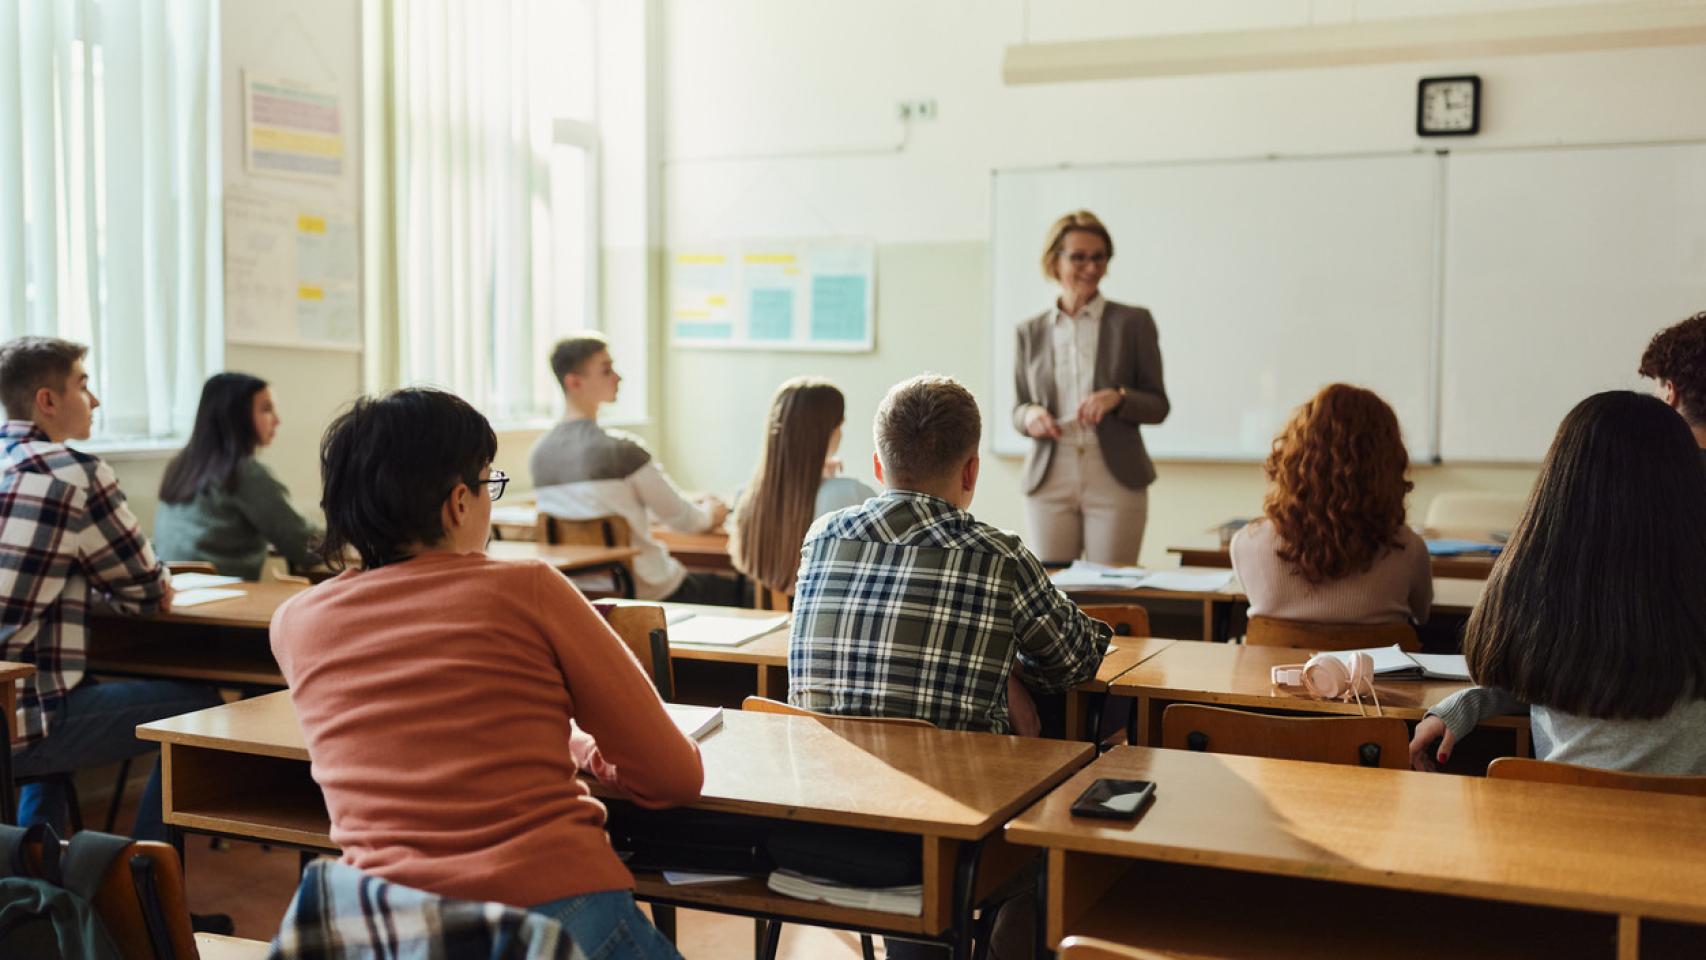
<point x="780" y="501"/>
<point x="1076" y="220"/>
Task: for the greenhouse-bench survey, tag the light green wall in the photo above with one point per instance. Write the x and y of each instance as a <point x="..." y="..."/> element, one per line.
<point x="932" y="316"/>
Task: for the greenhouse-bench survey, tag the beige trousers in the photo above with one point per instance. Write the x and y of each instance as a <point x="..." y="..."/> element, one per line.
<point x="1082" y="511"/>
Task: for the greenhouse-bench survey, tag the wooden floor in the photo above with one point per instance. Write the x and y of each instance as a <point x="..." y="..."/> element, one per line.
<point x="254" y="886"/>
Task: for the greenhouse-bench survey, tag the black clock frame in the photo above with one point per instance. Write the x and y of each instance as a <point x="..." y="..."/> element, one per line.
<point x="1421" y="105"/>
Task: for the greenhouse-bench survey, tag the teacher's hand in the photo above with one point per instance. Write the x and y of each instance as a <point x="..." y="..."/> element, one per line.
<point x="1041" y="424"/>
<point x="1097" y="405"/>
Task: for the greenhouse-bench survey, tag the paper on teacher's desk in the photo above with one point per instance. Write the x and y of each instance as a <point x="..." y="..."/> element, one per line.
<point x="1084" y="574"/>
<point x="199" y="581"/>
<point x="195" y="598"/>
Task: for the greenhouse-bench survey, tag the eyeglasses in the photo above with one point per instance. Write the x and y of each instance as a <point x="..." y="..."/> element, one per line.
<point x="1083" y="258"/>
<point x="498" y="481"/>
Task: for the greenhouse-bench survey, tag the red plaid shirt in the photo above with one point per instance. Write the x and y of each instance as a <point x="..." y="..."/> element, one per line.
<point x="64" y="531"/>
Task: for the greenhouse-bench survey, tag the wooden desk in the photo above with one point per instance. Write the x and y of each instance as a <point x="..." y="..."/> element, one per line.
<point x="767" y="654"/>
<point x="1471" y="567"/>
<point x="1084" y="702"/>
<point x="1453" y="596"/>
<point x="1236" y="675"/>
<point x="10" y="674"/>
<point x="241" y="770"/>
<point x="1256" y="858"/>
<point x="707" y="552"/>
<point x="569" y="558"/>
<point x="223" y="642"/>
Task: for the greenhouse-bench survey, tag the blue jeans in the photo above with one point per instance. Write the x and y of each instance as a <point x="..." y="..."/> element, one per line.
<point x="95" y="727"/>
<point x="608" y="926"/>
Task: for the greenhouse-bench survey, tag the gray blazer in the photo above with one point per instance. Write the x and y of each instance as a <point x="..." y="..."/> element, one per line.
<point x="1128" y="354"/>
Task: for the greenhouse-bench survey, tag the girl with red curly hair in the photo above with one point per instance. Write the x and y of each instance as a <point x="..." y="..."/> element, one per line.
<point x="1331" y="546"/>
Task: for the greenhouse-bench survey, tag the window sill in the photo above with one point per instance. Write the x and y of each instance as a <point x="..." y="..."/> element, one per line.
<point x="120" y="450"/>
<point x="542" y="424"/>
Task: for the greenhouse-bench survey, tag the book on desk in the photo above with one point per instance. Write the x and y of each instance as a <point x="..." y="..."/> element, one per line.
<point x="1392" y="663"/>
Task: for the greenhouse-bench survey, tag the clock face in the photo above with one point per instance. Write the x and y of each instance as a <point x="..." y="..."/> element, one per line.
<point x="1449" y="105"/>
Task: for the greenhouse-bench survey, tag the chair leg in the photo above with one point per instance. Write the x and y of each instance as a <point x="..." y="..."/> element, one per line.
<point x="772" y="939"/>
<point x="663" y="917"/>
<point x="118" y="796"/>
<point x="74" y="805"/>
<point x="867" y="948"/>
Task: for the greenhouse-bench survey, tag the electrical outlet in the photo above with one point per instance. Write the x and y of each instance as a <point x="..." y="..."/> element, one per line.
<point x="924" y="109"/>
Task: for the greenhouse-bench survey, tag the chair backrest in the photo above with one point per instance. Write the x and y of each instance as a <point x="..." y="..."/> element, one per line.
<point x="767" y="705"/>
<point x="142" y="904"/>
<point x="1544" y="771"/>
<point x="1127" y="619"/>
<point x="1475" y="516"/>
<point x="1091" y="948"/>
<point x="1303" y="635"/>
<point x="764" y="598"/>
<point x="1358" y="741"/>
<point x="645" y="629"/>
<point x="191" y="566"/>
<point x="607" y="531"/>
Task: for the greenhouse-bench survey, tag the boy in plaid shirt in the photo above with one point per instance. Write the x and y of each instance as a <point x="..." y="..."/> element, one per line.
<point x="66" y="535"/>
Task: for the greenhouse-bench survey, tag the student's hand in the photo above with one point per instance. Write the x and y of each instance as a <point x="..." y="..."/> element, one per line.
<point x="718" y="510"/>
<point x="166" y="598"/>
<point x="831" y="467"/>
<point x="1022" y="708"/>
<point x="1097" y="405"/>
<point x="1422" y="753"/>
<point x="1041" y="424"/>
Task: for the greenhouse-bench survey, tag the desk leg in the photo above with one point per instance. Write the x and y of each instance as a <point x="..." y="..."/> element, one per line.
<point x="965" y="898"/>
<point x="1149" y="720"/>
<point x="1208" y="621"/>
<point x="1523" y="747"/>
<point x="8" y="794"/>
<point x="1628" y="937"/>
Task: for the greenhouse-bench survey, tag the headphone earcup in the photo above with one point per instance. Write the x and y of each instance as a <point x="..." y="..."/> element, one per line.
<point x="1326" y="676"/>
<point x="1361" y="677"/>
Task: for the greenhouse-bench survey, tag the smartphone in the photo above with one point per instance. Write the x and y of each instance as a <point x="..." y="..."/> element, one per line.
<point x="1114" y="799"/>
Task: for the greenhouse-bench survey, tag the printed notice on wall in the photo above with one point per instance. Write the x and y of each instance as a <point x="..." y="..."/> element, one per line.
<point x="291" y="273"/>
<point x="781" y="295"/>
<point x="291" y="129"/>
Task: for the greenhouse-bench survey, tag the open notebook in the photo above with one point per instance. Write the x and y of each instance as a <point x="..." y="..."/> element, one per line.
<point x="1392" y="663"/>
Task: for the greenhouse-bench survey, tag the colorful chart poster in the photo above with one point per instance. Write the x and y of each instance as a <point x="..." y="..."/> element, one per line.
<point x="774" y="295"/>
<point x="291" y="129"/>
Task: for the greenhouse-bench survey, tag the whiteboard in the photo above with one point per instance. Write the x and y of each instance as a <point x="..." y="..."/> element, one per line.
<point x="1267" y="279"/>
<point x="1560" y="265"/>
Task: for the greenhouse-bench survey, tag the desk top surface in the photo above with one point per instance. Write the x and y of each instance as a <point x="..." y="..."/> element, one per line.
<point x="1568" y="846"/>
<point x="1240" y="674"/>
<point x="880" y="776"/>
<point x="1452" y="595"/>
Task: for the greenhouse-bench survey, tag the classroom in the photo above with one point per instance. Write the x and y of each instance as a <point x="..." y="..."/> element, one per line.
<point x="965" y="478"/>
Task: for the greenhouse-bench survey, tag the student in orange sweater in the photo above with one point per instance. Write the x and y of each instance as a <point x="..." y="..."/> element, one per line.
<point x="436" y="687"/>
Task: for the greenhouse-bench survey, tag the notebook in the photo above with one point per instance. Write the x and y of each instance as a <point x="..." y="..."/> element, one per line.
<point x="198" y="581"/>
<point x="710" y="630"/>
<point x="907" y="900"/>
<point x="1393" y="663"/>
<point x="695" y="721"/>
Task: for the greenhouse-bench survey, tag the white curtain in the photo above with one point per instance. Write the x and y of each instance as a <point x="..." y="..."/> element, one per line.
<point x="109" y="197"/>
<point x="465" y="162"/>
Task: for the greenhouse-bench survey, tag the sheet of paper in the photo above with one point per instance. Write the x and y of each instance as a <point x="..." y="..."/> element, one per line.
<point x="199" y="581"/>
<point x="707" y="630"/>
<point x="683" y="878"/>
<point x="1191" y="581"/>
<point x="1086" y="575"/>
<point x="195" y="598"/>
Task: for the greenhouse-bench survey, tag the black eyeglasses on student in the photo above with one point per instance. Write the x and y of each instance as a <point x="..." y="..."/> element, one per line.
<point x="498" y="481"/>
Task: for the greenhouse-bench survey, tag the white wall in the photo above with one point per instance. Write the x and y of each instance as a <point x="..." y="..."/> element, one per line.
<point x="745" y="77"/>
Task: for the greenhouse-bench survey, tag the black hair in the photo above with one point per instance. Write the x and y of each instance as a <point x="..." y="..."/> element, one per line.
<point x="388" y="464"/>
<point x="223" y="437"/>
<point x="1596" y="608"/>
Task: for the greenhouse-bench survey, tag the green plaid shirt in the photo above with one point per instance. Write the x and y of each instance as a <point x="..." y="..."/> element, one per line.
<point x="908" y="607"/>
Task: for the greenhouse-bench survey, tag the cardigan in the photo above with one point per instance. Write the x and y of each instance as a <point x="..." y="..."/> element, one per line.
<point x="1398" y="587"/>
<point x="232" y="528"/>
<point x="1672" y="744"/>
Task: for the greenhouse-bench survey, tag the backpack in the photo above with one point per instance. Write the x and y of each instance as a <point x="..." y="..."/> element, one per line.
<point x="45" y="910"/>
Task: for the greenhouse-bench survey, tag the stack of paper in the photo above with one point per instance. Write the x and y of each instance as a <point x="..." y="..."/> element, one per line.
<point x="907" y="900"/>
<point x="701" y="629"/>
<point x="1393" y="663"/>
<point x="199" y="581"/>
<point x="1084" y="575"/>
<point x="195" y="598"/>
<point x="695" y="721"/>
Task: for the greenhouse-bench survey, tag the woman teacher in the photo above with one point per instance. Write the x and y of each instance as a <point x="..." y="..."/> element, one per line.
<point x="1088" y="373"/>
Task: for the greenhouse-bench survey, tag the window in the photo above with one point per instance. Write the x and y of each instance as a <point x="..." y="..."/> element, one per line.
<point x="109" y="198"/>
<point x="491" y="157"/>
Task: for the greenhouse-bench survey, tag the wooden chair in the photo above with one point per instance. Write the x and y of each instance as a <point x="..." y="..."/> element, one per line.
<point x="1303" y="635"/>
<point x="1473" y="516"/>
<point x="1091" y="948"/>
<point x="764" y="598"/>
<point x="216" y="947"/>
<point x="1542" y="771"/>
<point x="1358" y="741"/>
<point x="141" y="902"/>
<point x="606" y="531"/>
<point x="1127" y="619"/>
<point x="645" y="629"/>
<point x="191" y="566"/>
<point x="767" y="705"/>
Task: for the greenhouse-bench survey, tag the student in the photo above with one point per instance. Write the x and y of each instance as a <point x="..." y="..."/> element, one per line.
<point x="1331" y="546"/>
<point x="1676" y="358"/>
<point x="796" y="482"/>
<point x="581" y="470"/>
<point x="67" y="538"/>
<point x="434" y="687"/>
<point x="906" y="606"/>
<point x="217" y="502"/>
<point x="1594" y="620"/>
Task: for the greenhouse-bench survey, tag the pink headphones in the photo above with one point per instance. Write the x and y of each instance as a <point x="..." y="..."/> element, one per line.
<point x="1328" y="677"/>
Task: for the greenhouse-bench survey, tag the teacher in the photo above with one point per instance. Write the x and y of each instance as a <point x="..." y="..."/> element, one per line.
<point x="1088" y="373"/>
